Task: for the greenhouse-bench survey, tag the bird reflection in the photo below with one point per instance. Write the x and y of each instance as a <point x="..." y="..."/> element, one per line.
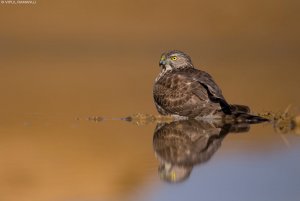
<point x="181" y="145"/>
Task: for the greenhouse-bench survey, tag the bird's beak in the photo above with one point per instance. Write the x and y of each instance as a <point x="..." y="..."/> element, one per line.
<point x="162" y="62"/>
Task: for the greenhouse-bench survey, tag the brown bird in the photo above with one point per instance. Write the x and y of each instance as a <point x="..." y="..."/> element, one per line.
<point x="184" y="91"/>
<point x="180" y="145"/>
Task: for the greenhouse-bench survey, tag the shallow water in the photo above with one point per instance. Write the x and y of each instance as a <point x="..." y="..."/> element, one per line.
<point x="75" y="158"/>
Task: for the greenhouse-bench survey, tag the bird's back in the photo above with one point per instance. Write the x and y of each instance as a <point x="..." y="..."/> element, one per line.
<point x="181" y="92"/>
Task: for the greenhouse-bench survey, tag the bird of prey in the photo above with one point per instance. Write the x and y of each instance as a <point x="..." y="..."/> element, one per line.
<point x="180" y="145"/>
<point x="181" y="90"/>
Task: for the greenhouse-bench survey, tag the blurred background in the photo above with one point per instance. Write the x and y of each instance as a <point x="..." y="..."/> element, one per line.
<point x="61" y="60"/>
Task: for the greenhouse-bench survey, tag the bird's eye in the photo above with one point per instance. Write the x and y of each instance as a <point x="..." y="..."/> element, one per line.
<point x="174" y="58"/>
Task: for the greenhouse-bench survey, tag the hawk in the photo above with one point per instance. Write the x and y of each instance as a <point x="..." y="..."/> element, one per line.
<point x="180" y="145"/>
<point x="184" y="91"/>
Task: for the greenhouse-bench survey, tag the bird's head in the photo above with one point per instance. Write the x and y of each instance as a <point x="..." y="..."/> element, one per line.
<point x="173" y="173"/>
<point x="175" y="59"/>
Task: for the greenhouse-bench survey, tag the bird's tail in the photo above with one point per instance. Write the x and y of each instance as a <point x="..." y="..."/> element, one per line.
<point x="242" y="114"/>
<point x="239" y="109"/>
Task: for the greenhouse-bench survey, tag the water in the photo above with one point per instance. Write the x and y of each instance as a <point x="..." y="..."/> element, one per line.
<point x="64" y="158"/>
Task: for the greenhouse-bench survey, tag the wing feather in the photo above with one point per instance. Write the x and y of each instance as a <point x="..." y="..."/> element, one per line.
<point x="189" y="92"/>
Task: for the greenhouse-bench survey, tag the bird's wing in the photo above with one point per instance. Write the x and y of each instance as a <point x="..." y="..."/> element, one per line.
<point x="214" y="92"/>
<point x="207" y="81"/>
<point x="188" y="92"/>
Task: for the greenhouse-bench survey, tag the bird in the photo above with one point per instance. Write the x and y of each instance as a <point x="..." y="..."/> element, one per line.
<point x="181" y="90"/>
<point x="181" y="145"/>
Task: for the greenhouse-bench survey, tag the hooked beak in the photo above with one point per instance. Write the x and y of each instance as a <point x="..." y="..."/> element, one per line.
<point x="162" y="62"/>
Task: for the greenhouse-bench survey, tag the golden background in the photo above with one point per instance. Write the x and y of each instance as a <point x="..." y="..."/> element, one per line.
<point x="61" y="60"/>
